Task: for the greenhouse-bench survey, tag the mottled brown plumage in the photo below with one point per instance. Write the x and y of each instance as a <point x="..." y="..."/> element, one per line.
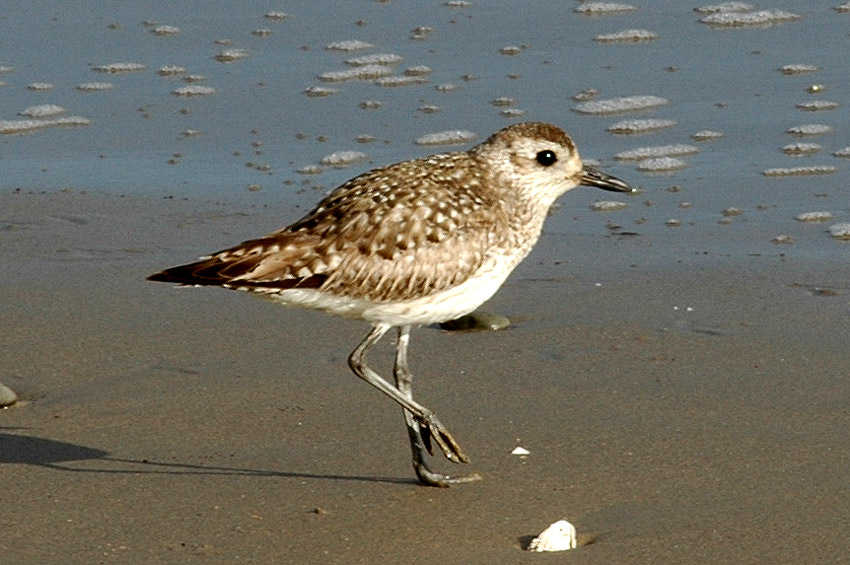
<point x="417" y="242"/>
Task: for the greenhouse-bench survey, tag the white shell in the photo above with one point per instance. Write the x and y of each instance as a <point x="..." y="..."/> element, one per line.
<point x="559" y="536"/>
<point x="519" y="450"/>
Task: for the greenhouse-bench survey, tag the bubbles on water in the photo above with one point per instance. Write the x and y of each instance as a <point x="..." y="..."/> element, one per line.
<point x="275" y="16"/>
<point x="798" y="69"/>
<point x="458" y="4"/>
<point x="320" y="91"/>
<point x="661" y="164"/>
<point x="417" y="71"/>
<point x="842" y="7"/>
<point x="814" y="217"/>
<point x="801" y="148"/>
<point x="342" y="159"/>
<point x="843" y="153"/>
<point x="375" y="59"/>
<point x="725" y="7"/>
<point x="392" y="82"/>
<point x="656" y="151"/>
<point x="608" y="206"/>
<point x="6" y="69"/>
<point x="170" y="71"/>
<point x="40" y="86"/>
<point x="840" y="231"/>
<point x="627" y="36"/>
<point x="366" y="72"/>
<point x="371" y="105"/>
<point x="95" y="86"/>
<point x="604" y="8"/>
<point x="193" y="90"/>
<point x="231" y="55"/>
<point x="348" y="46"/>
<point x="165" y="30"/>
<point x="817" y="106"/>
<point x="810" y="129"/>
<point x="8" y="127"/>
<point x="512" y="49"/>
<point x="764" y="18"/>
<point x="640" y="126"/>
<point x="42" y="111"/>
<point x="449" y="137"/>
<point x="620" y="105"/>
<point x="799" y="171"/>
<point x="706" y="135"/>
<point x="512" y="113"/>
<point x="119" y="68"/>
<point x="503" y="101"/>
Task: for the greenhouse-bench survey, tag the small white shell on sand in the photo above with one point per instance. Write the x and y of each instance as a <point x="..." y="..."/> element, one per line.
<point x="520" y="451"/>
<point x="7" y="396"/>
<point x="559" y="536"/>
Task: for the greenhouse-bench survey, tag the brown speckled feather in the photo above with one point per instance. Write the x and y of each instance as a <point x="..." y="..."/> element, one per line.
<point x="371" y="237"/>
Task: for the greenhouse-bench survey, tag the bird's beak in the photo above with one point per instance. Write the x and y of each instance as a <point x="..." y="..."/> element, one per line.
<point x="592" y="177"/>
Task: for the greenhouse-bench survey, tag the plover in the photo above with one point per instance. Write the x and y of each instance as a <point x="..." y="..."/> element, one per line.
<point x="414" y="243"/>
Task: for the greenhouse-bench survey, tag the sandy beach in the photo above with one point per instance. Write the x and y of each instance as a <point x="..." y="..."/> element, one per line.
<point x="681" y="414"/>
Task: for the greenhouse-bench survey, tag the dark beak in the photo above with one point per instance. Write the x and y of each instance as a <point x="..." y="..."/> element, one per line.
<point x="592" y="177"/>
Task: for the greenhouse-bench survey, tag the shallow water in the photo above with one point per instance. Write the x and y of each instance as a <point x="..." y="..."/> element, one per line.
<point x="244" y="143"/>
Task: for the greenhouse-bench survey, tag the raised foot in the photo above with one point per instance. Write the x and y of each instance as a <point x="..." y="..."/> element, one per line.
<point x="431" y="429"/>
<point x="429" y="478"/>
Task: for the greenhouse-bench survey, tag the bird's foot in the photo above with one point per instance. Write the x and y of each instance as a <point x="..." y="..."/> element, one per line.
<point x="431" y="429"/>
<point x="429" y="478"/>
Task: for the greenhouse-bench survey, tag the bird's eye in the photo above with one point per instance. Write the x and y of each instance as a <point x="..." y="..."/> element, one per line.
<point x="546" y="158"/>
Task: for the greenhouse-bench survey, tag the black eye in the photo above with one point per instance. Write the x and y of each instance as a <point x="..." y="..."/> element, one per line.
<point x="546" y="158"/>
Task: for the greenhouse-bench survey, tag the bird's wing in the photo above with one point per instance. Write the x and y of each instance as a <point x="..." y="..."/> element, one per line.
<point x="392" y="233"/>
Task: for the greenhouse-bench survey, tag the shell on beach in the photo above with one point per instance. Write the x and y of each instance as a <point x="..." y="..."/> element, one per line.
<point x="560" y="536"/>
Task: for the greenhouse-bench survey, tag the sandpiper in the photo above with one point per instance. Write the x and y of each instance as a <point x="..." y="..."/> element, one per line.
<point x="418" y="242"/>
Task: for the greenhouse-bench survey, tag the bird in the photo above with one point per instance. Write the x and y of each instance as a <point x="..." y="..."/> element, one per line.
<point x="415" y="243"/>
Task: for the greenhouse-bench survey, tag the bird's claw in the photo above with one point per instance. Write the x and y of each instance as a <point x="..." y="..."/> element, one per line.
<point x="431" y="428"/>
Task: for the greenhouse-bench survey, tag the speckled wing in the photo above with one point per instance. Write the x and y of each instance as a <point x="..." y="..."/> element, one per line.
<point x="394" y="233"/>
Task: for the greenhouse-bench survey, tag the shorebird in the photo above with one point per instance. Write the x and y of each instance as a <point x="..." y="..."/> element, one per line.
<point x="410" y="244"/>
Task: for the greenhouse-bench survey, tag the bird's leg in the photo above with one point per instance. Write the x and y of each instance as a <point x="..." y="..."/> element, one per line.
<point x="424" y="417"/>
<point x="415" y="430"/>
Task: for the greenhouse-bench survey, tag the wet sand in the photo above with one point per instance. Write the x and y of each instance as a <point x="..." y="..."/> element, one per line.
<point x="687" y="409"/>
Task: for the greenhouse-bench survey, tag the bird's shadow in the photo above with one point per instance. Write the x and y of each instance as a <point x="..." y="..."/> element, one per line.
<point x="53" y="454"/>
